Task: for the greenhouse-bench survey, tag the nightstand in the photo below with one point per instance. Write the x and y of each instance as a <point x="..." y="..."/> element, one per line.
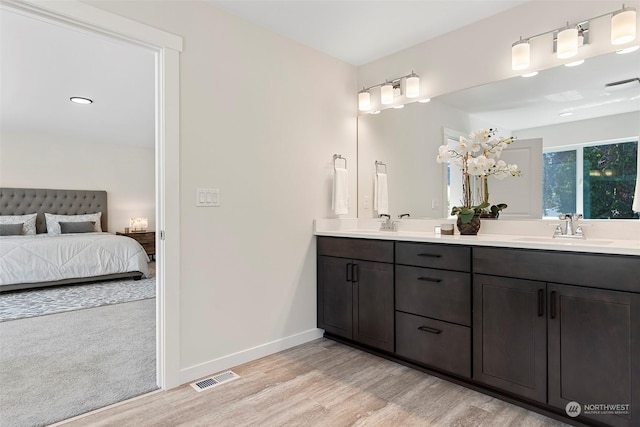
<point x="146" y="238"/>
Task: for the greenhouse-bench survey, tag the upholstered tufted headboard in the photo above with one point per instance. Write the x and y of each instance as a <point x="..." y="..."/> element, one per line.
<point x="21" y="201"/>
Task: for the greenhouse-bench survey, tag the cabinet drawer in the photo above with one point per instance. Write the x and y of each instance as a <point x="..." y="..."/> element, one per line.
<point x="444" y="295"/>
<point x="615" y="272"/>
<point x="431" y="255"/>
<point x="434" y="343"/>
<point x="364" y="249"/>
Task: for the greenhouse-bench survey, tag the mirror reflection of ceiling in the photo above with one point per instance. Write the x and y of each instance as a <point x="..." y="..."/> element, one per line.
<point x="44" y="64"/>
<point x="522" y="103"/>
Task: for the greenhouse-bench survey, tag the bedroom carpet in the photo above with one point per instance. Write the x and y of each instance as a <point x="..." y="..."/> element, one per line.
<point x="57" y="299"/>
<point x="62" y="365"/>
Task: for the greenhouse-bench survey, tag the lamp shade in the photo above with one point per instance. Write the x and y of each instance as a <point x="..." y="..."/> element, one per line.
<point x="623" y="26"/>
<point x="412" y="86"/>
<point x="567" y="43"/>
<point x="364" y="101"/>
<point x="520" y="55"/>
<point x="138" y="224"/>
<point x="386" y="94"/>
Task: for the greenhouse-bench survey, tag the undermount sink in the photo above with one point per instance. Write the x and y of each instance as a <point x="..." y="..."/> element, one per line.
<point x="564" y="241"/>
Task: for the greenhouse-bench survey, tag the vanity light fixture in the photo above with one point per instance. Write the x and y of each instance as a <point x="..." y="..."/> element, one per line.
<point x="520" y="55"/>
<point x="569" y="38"/>
<point x="389" y="90"/>
<point x="364" y="100"/>
<point x="531" y="74"/>
<point x="623" y="25"/>
<point x="412" y="85"/>
<point x="81" y="100"/>
<point x="567" y="42"/>
<point x="386" y="93"/>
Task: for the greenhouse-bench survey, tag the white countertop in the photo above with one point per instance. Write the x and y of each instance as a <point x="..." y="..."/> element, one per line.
<point x="340" y="228"/>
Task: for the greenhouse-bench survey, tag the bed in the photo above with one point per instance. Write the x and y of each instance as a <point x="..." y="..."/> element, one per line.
<point x="76" y="255"/>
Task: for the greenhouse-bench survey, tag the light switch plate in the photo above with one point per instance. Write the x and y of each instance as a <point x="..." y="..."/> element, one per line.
<point x="207" y="197"/>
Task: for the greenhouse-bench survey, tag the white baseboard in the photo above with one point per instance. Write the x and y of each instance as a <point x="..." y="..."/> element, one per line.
<point x="201" y="370"/>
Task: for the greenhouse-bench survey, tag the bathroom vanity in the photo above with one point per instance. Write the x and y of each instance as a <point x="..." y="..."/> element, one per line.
<point x="537" y="323"/>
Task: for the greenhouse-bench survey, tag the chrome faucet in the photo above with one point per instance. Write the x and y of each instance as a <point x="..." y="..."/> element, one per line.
<point x="571" y="230"/>
<point x="404" y="215"/>
<point x="387" y="224"/>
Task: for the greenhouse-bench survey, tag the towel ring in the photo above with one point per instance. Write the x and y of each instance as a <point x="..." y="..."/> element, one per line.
<point x="339" y="157"/>
<point x="384" y="167"/>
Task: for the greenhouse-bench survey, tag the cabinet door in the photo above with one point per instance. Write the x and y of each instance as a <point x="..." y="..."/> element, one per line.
<point x="335" y="296"/>
<point x="594" y="350"/>
<point x="509" y="335"/>
<point x="373" y="304"/>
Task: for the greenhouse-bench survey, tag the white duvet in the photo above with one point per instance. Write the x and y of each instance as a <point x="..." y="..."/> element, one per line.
<point x="44" y="258"/>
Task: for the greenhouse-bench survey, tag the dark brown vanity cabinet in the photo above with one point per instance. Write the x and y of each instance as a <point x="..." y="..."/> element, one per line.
<point x="510" y="335"/>
<point x="355" y="290"/>
<point x="433" y="305"/>
<point x="559" y="343"/>
<point x="594" y="350"/>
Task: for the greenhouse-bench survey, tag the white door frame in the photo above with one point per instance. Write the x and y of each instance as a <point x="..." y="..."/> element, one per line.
<point x="167" y="47"/>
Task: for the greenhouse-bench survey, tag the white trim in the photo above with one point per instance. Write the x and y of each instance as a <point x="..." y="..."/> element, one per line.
<point x="167" y="46"/>
<point x="210" y="367"/>
<point x="82" y="14"/>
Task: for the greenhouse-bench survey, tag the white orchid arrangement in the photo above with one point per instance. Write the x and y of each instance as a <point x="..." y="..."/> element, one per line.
<point x="478" y="155"/>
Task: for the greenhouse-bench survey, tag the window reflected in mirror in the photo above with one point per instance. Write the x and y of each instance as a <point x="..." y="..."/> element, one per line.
<point x="597" y="180"/>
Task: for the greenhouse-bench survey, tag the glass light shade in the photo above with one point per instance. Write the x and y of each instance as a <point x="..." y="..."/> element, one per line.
<point x="386" y="94"/>
<point x="364" y="101"/>
<point x="567" y="43"/>
<point x="412" y="86"/>
<point x="138" y="224"/>
<point x="520" y="55"/>
<point x="623" y="26"/>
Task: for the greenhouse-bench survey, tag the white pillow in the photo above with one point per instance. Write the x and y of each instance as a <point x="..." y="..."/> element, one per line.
<point x="53" y="221"/>
<point x="28" y="222"/>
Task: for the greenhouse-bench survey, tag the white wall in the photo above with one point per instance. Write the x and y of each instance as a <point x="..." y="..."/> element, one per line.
<point x="586" y="131"/>
<point x="126" y="173"/>
<point x="261" y="117"/>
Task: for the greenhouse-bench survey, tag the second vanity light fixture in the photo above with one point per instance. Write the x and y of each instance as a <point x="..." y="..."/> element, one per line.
<point x="567" y="39"/>
<point x="389" y="89"/>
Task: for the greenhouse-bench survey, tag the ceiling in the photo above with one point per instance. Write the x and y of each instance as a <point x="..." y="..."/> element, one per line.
<point x="361" y="31"/>
<point x="43" y="65"/>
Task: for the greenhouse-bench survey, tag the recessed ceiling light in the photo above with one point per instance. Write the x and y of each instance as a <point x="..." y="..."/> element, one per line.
<point x="397" y="107"/>
<point x="531" y="74"/>
<point x="566" y="113"/>
<point x="424" y="101"/>
<point x="628" y="49"/>
<point x="80" y="100"/>
<point x="575" y="63"/>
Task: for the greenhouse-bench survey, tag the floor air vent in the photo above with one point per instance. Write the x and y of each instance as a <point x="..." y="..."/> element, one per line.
<point x="214" y="381"/>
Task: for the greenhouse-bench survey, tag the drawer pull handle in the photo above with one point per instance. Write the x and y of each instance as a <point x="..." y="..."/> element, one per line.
<point x="552" y="302"/>
<point x="430" y="279"/>
<point x="349" y="272"/>
<point x="430" y="255"/>
<point x="431" y="330"/>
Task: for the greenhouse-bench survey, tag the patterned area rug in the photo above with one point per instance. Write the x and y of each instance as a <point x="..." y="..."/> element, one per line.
<point x="38" y="302"/>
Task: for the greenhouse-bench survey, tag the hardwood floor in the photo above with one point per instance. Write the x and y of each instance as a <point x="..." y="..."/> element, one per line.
<point x="321" y="383"/>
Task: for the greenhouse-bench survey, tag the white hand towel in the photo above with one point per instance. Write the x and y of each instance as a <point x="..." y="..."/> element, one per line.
<point x="381" y="194"/>
<point x="636" y="196"/>
<point x="340" y="201"/>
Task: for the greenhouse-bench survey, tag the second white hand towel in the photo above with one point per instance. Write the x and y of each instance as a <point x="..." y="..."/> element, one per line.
<point x="381" y="194"/>
<point x="340" y="201"/>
